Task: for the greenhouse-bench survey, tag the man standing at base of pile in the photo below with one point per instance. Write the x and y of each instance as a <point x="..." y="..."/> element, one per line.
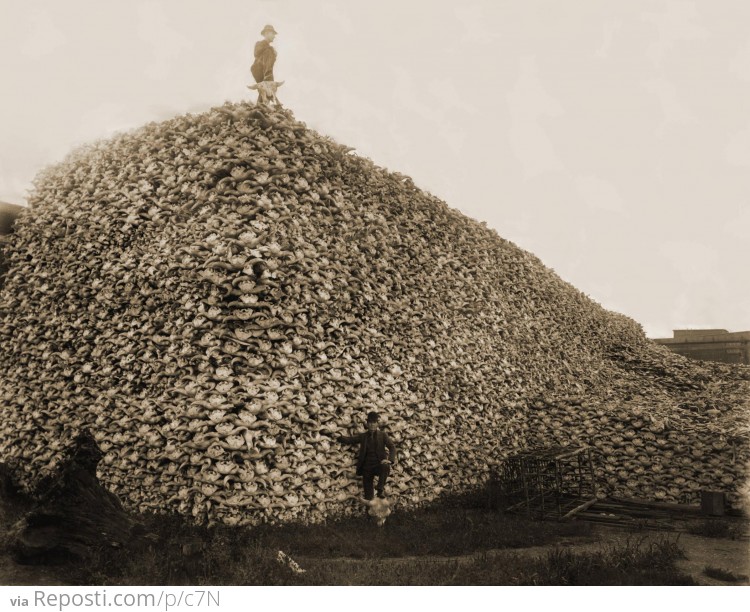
<point x="376" y="455"/>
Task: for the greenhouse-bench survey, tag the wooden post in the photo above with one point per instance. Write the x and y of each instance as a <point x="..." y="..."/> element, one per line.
<point x="582" y="473"/>
<point x="594" y="490"/>
<point x="525" y="486"/>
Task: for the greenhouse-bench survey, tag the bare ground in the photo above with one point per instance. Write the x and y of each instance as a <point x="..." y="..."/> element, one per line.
<point x="731" y="555"/>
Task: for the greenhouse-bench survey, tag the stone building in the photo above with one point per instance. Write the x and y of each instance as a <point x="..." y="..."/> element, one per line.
<point x="710" y="345"/>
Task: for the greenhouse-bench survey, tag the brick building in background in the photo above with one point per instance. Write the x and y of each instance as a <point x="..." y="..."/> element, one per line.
<point x="710" y="345"/>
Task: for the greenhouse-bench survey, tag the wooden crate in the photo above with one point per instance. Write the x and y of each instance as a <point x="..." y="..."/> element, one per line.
<point x="549" y="482"/>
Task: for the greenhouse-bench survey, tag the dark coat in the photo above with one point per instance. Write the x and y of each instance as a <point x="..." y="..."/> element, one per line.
<point x="382" y="441"/>
<point x="265" y="58"/>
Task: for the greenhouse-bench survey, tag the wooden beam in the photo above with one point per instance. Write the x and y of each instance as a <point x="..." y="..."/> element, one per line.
<point x="580" y="508"/>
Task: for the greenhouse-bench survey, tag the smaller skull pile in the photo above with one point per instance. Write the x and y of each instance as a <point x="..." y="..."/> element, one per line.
<point x="650" y="446"/>
<point x="219" y="296"/>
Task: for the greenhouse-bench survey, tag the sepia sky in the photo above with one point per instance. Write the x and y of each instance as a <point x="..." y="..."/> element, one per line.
<point x="609" y="138"/>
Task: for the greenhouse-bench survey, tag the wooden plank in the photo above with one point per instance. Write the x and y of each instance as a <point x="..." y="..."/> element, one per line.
<point x="689" y="508"/>
<point x="580" y="508"/>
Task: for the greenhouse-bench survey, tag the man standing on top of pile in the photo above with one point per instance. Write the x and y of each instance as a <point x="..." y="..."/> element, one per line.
<point x="376" y="454"/>
<point x="265" y="56"/>
<point x="262" y="68"/>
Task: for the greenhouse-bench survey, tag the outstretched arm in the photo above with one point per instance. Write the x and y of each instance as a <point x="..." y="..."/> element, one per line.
<point x="349" y="439"/>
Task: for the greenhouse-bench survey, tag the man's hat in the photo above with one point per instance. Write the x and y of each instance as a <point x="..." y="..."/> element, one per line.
<point x="372" y="417"/>
<point x="268" y="28"/>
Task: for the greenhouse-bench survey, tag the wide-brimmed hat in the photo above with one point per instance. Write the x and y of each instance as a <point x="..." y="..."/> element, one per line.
<point x="268" y="28"/>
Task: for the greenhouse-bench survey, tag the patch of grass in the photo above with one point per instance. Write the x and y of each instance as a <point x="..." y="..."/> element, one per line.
<point x="436" y="531"/>
<point x="184" y="554"/>
<point x="724" y="575"/>
<point x="447" y="544"/>
<point x="175" y="553"/>
<point x="632" y="563"/>
<point x="639" y="562"/>
<point x="717" y="528"/>
<point x="172" y="551"/>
